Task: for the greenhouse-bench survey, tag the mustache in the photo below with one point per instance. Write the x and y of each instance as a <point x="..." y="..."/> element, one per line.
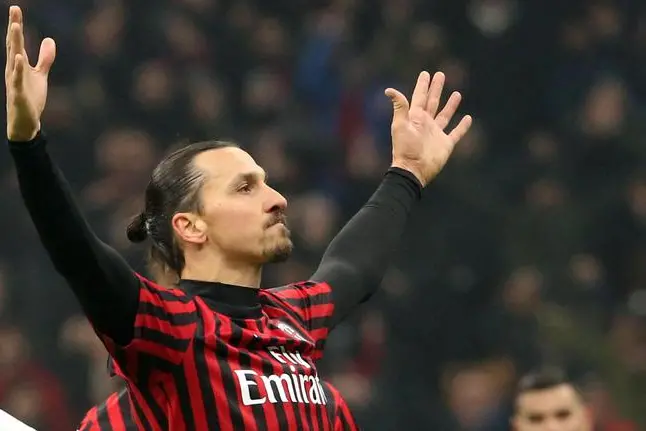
<point x="276" y="218"/>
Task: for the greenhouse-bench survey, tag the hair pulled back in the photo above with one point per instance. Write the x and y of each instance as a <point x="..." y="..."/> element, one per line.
<point x="174" y="187"/>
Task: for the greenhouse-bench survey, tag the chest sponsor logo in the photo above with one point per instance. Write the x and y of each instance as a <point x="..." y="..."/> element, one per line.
<point x="301" y="385"/>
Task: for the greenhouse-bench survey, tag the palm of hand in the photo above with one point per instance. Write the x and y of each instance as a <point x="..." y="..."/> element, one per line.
<point x="420" y="144"/>
<point x="26" y="85"/>
<point x="25" y="107"/>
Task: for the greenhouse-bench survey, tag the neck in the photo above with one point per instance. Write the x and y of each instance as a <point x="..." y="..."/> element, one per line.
<point x="215" y="268"/>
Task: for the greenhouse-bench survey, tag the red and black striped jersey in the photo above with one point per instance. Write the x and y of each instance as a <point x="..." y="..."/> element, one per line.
<point x="114" y="414"/>
<point x="193" y="364"/>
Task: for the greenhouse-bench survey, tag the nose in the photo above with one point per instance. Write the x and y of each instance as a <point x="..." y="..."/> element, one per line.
<point x="275" y="201"/>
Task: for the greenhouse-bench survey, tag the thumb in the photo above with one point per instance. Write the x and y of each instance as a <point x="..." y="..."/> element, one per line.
<point x="46" y="55"/>
<point x="400" y="105"/>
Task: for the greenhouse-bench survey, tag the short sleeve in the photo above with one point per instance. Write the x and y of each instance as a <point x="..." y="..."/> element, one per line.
<point x="164" y="328"/>
<point x="311" y="302"/>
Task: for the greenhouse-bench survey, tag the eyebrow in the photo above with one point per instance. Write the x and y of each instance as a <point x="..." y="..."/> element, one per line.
<point x="251" y="176"/>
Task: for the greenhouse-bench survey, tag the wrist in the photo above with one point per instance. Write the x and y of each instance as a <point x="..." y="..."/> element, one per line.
<point x="23" y="136"/>
<point x="409" y="168"/>
<point x="406" y="178"/>
<point x="38" y="141"/>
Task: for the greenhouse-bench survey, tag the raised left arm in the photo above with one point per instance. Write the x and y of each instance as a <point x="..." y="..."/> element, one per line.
<point x="358" y="257"/>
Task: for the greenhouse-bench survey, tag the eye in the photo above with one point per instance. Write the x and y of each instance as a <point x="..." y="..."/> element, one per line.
<point x="246" y="188"/>
<point x="563" y="414"/>
<point x="535" y="419"/>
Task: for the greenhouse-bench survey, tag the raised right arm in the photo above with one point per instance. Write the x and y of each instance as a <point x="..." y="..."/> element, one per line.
<point x="130" y="313"/>
<point x="106" y="287"/>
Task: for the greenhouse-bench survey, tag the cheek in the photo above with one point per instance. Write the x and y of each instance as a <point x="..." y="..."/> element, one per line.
<point x="232" y="221"/>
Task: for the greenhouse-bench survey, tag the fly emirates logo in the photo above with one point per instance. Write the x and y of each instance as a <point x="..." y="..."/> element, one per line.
<point x="293" y="387"/>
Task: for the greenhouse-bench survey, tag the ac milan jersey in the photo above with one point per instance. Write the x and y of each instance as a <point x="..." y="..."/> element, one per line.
<point x="194" y="364"/>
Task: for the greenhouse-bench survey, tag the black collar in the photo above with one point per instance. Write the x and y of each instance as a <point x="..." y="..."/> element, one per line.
<point x="237" y="302"/>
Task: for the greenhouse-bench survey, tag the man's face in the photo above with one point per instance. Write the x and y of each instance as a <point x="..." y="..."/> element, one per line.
<point x="554" y="409"/>
<point x="244" y="217"/>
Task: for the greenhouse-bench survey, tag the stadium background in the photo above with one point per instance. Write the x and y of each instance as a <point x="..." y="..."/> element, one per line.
<point x="529" y="248"/>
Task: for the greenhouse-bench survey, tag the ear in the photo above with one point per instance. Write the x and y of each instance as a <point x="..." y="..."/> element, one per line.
<point x="189" y="228"/>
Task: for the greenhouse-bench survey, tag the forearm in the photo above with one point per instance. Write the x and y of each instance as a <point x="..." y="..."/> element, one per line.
<point x="357" y="258"/>
<point x="106" y="287"/>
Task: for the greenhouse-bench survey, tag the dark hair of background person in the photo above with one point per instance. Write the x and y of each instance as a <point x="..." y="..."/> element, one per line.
<point x="543" y="379"/>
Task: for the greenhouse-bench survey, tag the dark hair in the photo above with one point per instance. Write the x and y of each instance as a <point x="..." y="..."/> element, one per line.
<point x="543" y="379"/>
<point x="174" y="187"/>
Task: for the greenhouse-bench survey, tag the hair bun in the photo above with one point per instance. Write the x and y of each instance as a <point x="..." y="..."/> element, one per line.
<point x="137" y="231"/>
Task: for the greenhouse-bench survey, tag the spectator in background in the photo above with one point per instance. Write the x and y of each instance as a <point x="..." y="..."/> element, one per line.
<point x="547" y="401"/>
<point x="475" y="395"/>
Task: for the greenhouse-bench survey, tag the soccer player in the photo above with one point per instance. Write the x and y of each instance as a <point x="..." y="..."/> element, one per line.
<point x="217" y="352"/>
<point x="547" y="401"/>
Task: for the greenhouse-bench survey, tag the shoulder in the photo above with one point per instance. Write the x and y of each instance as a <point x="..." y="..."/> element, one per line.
<point x="298" y="290"/>
<point x="298" y="297"/>
<point x="169" y="293"/>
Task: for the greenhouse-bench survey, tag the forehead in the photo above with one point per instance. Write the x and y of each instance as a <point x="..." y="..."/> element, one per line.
<point x="226" y="164"/>
<point x="546" y="400"/>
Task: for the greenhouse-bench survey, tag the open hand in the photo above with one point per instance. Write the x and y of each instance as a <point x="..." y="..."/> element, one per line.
<point x="26" y="85"/>
<point x="420" y="144"/>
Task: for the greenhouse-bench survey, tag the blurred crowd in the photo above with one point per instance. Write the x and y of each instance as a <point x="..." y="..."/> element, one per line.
<point x="530" y="248"/>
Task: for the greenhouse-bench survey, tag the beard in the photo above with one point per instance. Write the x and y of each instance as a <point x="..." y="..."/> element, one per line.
<point x="280" y="253"/>
<point x="280" y="248"/>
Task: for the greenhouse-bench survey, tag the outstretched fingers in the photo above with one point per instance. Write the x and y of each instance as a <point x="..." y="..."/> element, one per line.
<point x="17" y="44"/>
<point x="15" y="39"/>
<point x="400" y="106"/>
<point x="435" y="93"/>
<point x="15" y="16"/>
<point x="446" y="114"/>
<point x="420" y="93"/>
<point x="461" y="129"/>
<point x="17" y="77"/>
